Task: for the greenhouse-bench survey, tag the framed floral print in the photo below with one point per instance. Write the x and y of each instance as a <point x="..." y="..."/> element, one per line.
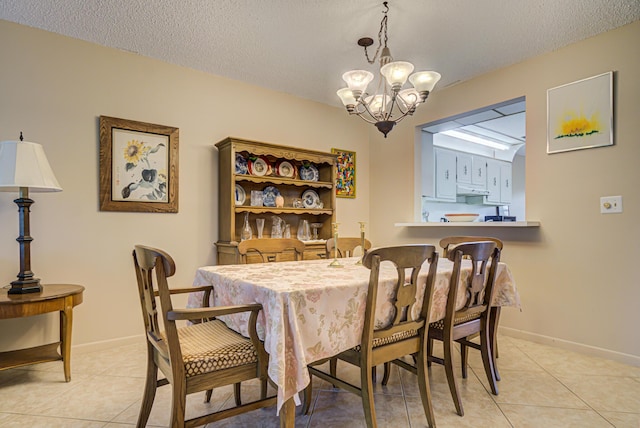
<point x="580" y="114"/>
<point x="346" y="173"/>
<point x="138" y="166"/>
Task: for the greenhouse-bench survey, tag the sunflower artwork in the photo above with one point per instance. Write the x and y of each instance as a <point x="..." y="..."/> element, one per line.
<point x="580" y="114"/>
<point x="140" y="164"/>
<point x="151" y="182"/>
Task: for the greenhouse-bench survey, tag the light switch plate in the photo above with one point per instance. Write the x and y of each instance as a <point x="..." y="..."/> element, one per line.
<point x="610" y="204"/>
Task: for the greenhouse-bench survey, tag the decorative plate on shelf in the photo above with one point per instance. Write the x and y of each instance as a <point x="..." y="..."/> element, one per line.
<point x="240" y="195"/>
<point x="310" y="199"/>
<point x="285" y="169"/>
<point x="260" y="166"/>
<point x="241" y="164"/>
<point x="309" y="172"/>
<point x="269" y="195"/>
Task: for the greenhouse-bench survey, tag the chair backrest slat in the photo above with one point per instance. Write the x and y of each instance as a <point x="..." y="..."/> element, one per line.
<point x="405" y="258"/>
<point x="478" y="285"/>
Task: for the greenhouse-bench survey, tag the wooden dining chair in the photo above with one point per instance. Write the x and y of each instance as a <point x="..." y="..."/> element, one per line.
<point x="450" y="241"/>
<point x="196" y="357"/>
<point x="475" y="316"/>
<point x="270" y="250"/>
<point x="405" y="335"/>
<point x="346" y="246"/>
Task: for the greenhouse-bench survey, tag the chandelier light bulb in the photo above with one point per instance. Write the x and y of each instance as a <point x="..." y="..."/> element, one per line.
<point x="346" y="96"/>
<point x="396" y="73"/>
<point x="357" y="80"/>
<point x="424" y="80"/>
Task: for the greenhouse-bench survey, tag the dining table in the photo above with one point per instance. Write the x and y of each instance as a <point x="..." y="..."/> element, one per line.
<point x="313" y="310"/>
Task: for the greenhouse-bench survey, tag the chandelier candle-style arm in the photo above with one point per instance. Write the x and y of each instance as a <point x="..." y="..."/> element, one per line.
<point x="390" y="103"/>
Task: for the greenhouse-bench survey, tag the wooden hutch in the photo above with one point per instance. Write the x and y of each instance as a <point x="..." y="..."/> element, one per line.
<point x="231" y="212"/>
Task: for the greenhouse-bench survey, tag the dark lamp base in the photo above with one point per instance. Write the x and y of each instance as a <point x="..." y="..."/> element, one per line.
<point x="24" y="287"/>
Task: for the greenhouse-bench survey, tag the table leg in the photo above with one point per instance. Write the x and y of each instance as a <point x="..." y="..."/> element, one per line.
<point x="66" y="320"/>
<point x="288" y="414"/>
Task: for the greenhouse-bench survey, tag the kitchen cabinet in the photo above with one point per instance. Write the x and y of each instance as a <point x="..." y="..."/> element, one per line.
<point x="479" y="172"/>
<point x="231" y="212"/>
<point x="464" y="168"/>
<point x="499" y="182"/>
<point x="445" y="162"/>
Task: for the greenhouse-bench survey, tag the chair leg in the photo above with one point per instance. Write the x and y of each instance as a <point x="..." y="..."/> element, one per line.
<point x="150" y="386"/>
<point x="374" y="374"/>
<point x="207" y="395"/>
<point x="493" y="334"/>
<point x="306" y="405"/>
<point x="178" y="403"/>
<point x="488" y="357"/>
<point x="333" y="368"/>
<point x="451" y="379"/>
<point x="387" y="373"/>
<point x="425" y="389"/>
<point x="464" y="355"/>
<point x="367" y="396"/>
<point x="263" y="389"/>
<point x="429" y="351"/>
<point x="237" y="394"/>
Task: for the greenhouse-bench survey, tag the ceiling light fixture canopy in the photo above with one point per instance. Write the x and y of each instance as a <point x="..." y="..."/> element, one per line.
<point x="390" y="103"/>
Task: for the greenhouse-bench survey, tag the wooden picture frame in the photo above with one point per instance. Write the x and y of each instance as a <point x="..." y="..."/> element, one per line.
<point x="345" y="173"/>
<point x="138" y="166"/>
<point x="580" y="114"/>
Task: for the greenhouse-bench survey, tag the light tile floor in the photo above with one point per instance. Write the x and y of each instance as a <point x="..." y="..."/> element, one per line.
<point x="540" y="387"/>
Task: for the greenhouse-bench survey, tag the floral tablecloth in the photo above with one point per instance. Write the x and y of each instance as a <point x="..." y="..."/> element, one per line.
<point x="312" y="311"/>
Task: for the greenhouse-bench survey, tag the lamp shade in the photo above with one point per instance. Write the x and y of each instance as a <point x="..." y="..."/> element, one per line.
<point x="357" y="80"/>
<point x="24" y="164"/>
<point x="396" y="73"/>
<point x="424" y="80"/>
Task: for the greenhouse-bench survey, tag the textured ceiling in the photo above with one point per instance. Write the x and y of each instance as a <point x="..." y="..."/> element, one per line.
<point x="302" y="47"/>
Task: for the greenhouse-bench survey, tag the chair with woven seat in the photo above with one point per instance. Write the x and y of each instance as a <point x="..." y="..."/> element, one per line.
<point x="270" y="250"/>
<point x="196" y="357"/>
<point x="346" y="246"/>
<point x="450" y="241"/>
<point x="406" y="333"/>
<point x="460" y="325"/>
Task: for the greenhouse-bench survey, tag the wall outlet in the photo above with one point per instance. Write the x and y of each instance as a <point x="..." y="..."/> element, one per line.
<point x="610" y="204"/>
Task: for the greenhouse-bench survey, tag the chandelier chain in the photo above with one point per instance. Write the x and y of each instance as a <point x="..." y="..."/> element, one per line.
<point x="383" y="29"/>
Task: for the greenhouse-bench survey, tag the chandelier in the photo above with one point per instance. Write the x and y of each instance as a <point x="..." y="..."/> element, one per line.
<point x="390" y="103"/>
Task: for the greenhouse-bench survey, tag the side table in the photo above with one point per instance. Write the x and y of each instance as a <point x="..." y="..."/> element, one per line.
<point x="54" y="297"/>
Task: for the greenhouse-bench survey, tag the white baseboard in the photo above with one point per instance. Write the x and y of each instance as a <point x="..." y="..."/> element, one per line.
<point x="106" y="344"/>
<point x="580" y="348"/>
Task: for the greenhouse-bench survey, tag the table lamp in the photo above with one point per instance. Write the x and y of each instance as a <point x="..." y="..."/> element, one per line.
<point x="23" y="168"/>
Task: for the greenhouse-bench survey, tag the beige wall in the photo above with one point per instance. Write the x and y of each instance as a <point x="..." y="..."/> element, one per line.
<point x="577" y="274"/>
<point x="54" y="89"/>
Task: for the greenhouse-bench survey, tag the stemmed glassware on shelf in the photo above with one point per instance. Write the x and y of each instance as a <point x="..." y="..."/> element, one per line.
<point x="246" y="229"/>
